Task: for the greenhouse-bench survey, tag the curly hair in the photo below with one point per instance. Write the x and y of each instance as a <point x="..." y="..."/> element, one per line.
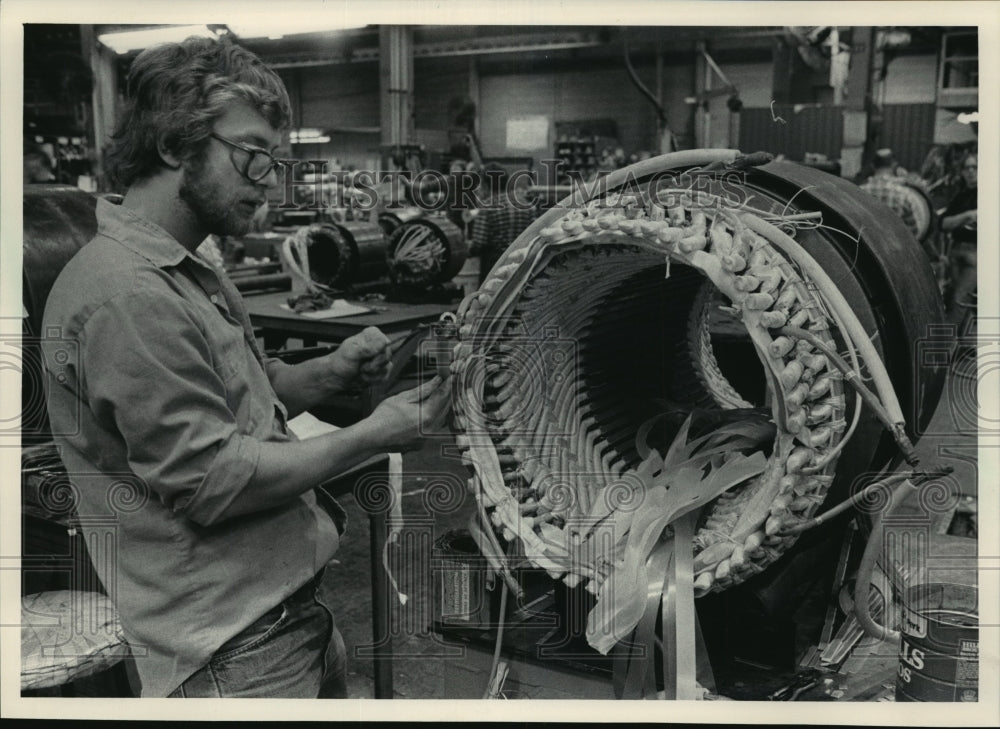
<point x="175" y="92"/>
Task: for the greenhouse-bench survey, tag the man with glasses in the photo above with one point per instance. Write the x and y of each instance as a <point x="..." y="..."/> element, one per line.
<point x="224" y="539"/>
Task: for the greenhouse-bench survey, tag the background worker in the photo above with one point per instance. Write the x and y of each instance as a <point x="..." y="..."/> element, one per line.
<point x="507" y="212"/>
<point x="961" y="221"/>
<point x="37" y="166"/>
<point x="888" y="186"/>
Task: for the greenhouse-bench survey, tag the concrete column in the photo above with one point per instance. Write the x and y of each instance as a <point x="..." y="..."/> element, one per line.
<point x="104" y="99"/>
<point x="396" y="84"/>
<point x="856" y="101"/>
<point x="702" y="85"/>
<point x="474" y="92"/>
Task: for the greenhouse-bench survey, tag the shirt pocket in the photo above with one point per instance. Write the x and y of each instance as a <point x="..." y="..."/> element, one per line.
<point x="239" y="371"/>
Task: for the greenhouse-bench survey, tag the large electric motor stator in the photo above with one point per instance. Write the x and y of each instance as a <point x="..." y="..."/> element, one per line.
<point x="426" y="251"/>
<point x="342" y="254"/>
<point x="391" y="219"/>
<point x="670" y="355"/>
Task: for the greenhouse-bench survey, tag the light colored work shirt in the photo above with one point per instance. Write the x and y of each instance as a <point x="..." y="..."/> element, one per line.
<point x="897" y="196"/>
<point x="159" y="400"/>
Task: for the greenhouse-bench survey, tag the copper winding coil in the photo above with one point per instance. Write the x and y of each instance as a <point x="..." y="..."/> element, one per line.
<point x="426" y="251"/>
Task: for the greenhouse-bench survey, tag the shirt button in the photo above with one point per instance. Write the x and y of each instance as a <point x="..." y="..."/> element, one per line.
<point x="215" y="299"/>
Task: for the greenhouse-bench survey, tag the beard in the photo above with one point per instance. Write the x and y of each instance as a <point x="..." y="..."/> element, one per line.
<point x="212" y="211"/>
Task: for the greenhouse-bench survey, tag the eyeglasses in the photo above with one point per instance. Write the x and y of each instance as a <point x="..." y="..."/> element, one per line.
<point x="258" y="163"/>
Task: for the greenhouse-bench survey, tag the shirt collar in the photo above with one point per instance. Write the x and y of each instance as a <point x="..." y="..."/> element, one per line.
<point x="139" y="235"/>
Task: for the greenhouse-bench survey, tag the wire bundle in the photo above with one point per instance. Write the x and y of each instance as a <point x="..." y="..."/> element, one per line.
<point x="426" y="251"/>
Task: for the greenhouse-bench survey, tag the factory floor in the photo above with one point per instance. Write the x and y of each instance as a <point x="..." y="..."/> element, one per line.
<point x="433" y="503"/>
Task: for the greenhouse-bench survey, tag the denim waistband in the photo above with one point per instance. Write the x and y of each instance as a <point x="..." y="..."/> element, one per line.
<point x="308" y="590"/>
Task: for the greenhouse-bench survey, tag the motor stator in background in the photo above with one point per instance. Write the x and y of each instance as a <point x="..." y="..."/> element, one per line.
<point x="344" y="254"/>
<point x="426" y="253"/>
<point x="390" y="220"/>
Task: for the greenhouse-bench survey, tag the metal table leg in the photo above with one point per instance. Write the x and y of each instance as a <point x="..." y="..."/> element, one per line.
<point x="381" y="637"/>
<point x="381" y="620"/>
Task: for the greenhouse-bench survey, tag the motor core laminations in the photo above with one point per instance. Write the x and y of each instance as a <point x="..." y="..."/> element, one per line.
<point x="547" y="417"/>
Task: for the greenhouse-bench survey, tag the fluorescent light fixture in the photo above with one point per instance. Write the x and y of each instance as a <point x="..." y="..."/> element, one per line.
<point x="311" y="140"/>
<point x="306" y="133"/>
<point x="273" y="29"/>
<point x="124" y="41"/>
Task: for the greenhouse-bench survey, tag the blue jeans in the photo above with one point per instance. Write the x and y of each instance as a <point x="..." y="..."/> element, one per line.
<point x="292" y="651"/>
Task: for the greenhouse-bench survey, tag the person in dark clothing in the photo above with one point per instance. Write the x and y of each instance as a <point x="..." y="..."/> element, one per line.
<point x="503" y="219"/>
<point x="960" y="220"/>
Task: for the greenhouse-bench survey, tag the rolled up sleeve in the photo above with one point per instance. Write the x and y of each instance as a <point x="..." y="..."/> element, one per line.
<point x="147" y="370"/>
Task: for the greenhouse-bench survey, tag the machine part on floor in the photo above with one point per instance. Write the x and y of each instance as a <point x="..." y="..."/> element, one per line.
<point x="426" y="251"/>
<point x="565" y="394"/>
<point x="804" y="681"/>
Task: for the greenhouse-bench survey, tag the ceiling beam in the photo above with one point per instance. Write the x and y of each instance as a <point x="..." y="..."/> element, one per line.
<point x="556" y="40"/>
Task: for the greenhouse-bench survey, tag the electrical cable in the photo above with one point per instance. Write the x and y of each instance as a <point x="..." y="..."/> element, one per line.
<point x="660" y="113"/>
<point x="828" y="457"/>
<point x="839" y="305"/>
<point x="852" y="378"/>
<point x="917" y="479"/>
<point x="500" y="626"/>
<point x="866" y="568"/>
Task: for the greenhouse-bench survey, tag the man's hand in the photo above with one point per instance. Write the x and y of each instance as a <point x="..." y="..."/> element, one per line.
<point x="285" y="470"/>
<point x="362" y="359"/>
<point x="405" y="419"/>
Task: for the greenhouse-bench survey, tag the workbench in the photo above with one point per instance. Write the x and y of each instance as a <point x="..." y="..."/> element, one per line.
<point x="277" y="325"/>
